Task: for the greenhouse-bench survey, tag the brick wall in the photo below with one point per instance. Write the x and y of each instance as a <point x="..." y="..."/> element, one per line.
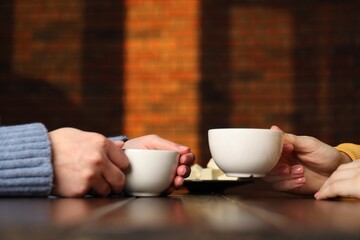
<point x="178" y="68"/>
<point x="161" y="67"/>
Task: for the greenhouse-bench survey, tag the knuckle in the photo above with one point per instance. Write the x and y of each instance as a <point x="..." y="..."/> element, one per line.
<point x="88" y="177"/>
<point x="96" y="159"/>
<point x="99" y="140"/>
<point x="102" y="141"/>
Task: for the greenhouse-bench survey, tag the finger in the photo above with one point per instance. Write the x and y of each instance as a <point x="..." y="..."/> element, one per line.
<point x="351" y="165"/>
<point x="280" y="169"/>
<point x="161" y="143"/>
<point x="302" y="143"/>
<point x="183" y="171"/>
<point x="114" y="177"/>
<point x="289" y="184"/>
<point x="287" y="139"/>
<point x="101" y="187"/>
<point x="120" y="144"/>
<point x="273" y="179"/>
<point x="299" y="143"/>
<point x="285" y="172"/>
<point x="339" y="175"/>
<point x="274" y="127"/>
<point x="188" y="159"/>
<point x="342" y="188"/>
<point x="178" y="181"/>
<point x="116" y="155"/>
<point x="292" y="141"/>
<point x="297" y="170"/>
<point x="287" y="148"/>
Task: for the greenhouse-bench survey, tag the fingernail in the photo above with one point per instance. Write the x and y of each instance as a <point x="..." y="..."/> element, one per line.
<point x="300" y="180"/>
<point x="179" y="183"/>
<point x="183" y="172"/>
<point x="297" y="170"/>
<point x="182" y="160"/>
<point x="183" y="147"/>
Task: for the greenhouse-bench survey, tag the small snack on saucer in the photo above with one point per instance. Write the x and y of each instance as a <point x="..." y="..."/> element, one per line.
<point x="211" y="172"/>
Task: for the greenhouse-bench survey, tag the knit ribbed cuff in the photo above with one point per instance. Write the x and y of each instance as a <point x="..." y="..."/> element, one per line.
<point x="25" y="160"/>
<point x="351" y="149"/>
<point x="119" y="138"/>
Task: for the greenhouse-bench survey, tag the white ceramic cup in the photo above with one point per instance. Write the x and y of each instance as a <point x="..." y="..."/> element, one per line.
<point x="150" y="172"/>
<point x="245" y="152"/>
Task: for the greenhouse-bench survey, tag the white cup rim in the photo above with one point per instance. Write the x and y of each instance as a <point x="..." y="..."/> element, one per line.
<point x="148" y="150"/>
<point x="245" y="129"/>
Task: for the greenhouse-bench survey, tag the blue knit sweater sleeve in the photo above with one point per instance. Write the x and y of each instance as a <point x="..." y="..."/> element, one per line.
<point x="119" y="138"/>
<point x="25" y="160"/>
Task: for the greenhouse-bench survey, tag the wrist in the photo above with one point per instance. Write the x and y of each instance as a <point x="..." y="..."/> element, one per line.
<point x="344" y="158"/>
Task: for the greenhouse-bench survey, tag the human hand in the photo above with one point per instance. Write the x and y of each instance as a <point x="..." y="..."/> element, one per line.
<point x="86" y="161"/>
<point x="186" y="159"/>
<point x="342" y="182"/>
<point x="305" y="164"/>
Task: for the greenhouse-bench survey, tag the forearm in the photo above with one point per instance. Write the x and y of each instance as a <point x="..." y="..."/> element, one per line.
<point x="25" y="160"/>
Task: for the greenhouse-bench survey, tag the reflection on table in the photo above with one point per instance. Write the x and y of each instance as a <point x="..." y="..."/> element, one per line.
<point x="252" y="210"/>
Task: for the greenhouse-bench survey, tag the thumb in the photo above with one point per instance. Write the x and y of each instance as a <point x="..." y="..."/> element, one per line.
<point x="161" y="143"/>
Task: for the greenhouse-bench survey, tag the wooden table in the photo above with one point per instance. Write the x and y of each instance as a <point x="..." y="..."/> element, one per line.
<point x="250" y="211"/>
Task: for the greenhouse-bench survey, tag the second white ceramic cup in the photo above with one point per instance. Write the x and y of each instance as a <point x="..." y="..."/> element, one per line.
<point x="245" y="152"/>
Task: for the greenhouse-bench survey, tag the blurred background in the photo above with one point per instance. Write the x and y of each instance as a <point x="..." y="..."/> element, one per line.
<point x="179" y="67"/>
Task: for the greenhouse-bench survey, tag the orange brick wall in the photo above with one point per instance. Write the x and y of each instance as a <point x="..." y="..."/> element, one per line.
<point x="178" y="68"/>
<point x="161" y="69"/>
